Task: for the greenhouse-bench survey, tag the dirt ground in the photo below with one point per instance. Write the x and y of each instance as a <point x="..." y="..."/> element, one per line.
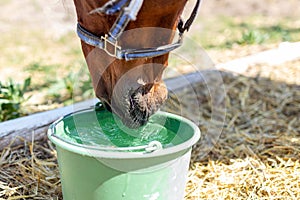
<point x="275" y="8"/>
<point x="58" y="16"/>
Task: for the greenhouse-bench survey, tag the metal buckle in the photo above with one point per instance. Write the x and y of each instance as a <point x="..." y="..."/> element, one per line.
<point x="114" y="46"/>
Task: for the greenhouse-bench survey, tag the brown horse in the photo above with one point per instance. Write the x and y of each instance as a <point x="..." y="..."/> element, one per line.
<point x="131" y="88"/>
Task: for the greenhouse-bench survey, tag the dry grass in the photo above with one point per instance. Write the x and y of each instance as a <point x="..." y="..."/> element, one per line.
<point x="29" y="171"/>
<point x="256" y="157"/>
<point x="248" y="178"/>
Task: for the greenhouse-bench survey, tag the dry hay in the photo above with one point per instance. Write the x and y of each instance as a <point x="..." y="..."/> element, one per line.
<point x="256" y="157"/>
<point x="290" y="74"/>
<point x="29" y="171"/>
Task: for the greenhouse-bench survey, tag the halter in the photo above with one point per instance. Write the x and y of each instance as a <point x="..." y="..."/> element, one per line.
<point x="128" y="11"/>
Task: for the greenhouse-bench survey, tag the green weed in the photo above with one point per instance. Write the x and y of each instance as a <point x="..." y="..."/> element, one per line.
<point x="73" y="87"/>
<point x="279" y="32"/>
<point x="223" y="32"/>
<point x="12" y="97"/>
<point x="252" y="37"/>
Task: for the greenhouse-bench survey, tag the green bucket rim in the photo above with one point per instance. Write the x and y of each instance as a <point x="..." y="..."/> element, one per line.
<point x="121" y="152"/>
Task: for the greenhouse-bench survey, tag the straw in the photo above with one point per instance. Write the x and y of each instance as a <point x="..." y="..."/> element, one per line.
<point x="29" y="171"/>
<point x="256" y="157"/>
<point x="258" y="153"/>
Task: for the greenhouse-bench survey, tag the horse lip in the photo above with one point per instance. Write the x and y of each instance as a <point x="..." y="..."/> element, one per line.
<point x="126" y="117"/>
<point x="138" y="116"/>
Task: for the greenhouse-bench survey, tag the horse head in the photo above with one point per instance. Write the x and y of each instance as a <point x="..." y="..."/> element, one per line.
<point x="129" y="84"/>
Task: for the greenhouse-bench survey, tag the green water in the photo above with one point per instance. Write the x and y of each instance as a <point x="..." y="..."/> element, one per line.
<point x="102" y="128"/>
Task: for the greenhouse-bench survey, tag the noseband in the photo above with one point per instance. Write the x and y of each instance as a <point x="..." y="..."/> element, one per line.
<point x="128" y="10"/>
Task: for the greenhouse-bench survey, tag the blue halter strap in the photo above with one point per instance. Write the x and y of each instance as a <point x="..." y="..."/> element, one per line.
<point x="128" y="11"/>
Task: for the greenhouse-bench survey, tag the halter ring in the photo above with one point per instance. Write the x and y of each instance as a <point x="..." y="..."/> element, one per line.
<point x="114" y="46"/>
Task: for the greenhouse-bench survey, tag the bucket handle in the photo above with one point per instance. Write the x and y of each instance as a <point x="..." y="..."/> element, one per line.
<point x="153" y="146"/>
